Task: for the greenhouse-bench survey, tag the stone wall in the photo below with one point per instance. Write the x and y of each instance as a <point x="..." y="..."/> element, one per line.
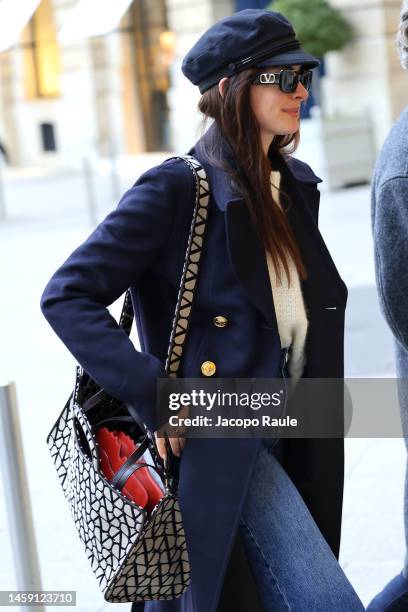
<point x="366" y="77"/>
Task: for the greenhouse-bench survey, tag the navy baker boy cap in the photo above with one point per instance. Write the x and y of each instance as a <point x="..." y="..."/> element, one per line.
<point x="252" y="37"/>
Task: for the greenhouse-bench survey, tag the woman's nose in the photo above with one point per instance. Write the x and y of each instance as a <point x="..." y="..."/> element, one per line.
<point x="301" y="92"/>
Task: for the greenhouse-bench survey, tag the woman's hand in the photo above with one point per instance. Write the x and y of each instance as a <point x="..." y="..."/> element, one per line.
<point x="177" y="443"/>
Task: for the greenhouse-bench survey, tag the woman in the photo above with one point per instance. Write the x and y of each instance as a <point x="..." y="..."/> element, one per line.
<point x="240" y="559"/>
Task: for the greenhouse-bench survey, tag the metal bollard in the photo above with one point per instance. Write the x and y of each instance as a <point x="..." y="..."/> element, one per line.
<point x="90" y="191"/>
<point x="2" y="192"/>
<point x="17" y="495"/>
<point x="115" y="170"/>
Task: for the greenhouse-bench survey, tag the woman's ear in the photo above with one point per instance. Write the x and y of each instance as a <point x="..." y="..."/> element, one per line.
<point x="222" y="85"/>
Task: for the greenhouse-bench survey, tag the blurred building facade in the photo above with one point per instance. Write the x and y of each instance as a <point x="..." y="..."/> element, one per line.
<point x="119" y="93"/>
<point x="123" y="93"/>
<point x="366" y="77"/>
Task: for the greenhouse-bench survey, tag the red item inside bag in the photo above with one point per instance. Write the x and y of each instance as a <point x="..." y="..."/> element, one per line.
<point x="115" y="447"/>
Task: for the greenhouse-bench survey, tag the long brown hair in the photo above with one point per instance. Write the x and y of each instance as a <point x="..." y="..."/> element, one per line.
<point x="235" y="119"/>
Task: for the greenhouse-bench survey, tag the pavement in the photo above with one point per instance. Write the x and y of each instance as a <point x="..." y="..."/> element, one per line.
<point x="48" y="215"/>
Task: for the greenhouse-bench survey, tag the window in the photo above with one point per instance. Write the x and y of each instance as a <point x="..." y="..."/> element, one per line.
<point x="153" y="44"/>
<point x="48" y="137"/>
<point x="41" y="54"/>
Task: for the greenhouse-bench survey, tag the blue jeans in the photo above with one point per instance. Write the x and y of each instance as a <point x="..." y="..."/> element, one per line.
<point x="401" y="358"/>
<point x="293" y="565"/>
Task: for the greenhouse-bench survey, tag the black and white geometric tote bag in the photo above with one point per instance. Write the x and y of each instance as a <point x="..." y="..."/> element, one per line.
<point x="135" y="555"/>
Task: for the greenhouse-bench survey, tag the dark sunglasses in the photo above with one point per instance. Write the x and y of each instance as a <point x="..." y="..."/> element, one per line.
<point x="286" y="79"/>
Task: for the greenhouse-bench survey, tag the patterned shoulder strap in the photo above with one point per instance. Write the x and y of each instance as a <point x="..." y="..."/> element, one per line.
<point x="189" y="275"/>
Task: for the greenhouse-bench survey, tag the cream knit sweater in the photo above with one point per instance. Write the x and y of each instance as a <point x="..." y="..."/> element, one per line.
<point x="289" y="305"/>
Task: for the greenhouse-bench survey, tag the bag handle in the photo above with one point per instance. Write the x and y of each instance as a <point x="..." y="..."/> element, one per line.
<point x="123" y="474"/>
<point x="189" y="277"/>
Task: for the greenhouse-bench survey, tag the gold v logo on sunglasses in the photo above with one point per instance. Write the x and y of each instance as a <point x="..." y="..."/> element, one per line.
<point x="286" y="79"/>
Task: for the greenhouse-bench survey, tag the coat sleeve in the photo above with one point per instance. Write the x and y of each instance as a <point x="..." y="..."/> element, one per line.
<point x="390" y="233"/>
<point x="114" y="256"/>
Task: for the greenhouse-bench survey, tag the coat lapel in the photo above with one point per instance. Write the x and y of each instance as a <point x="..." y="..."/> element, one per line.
<point x="245" y="248"/>
<point x="323" y="278"/>
<point x="248" y="258"/>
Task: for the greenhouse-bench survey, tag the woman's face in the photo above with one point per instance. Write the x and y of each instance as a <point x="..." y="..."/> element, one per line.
<point x="277" y="112"/>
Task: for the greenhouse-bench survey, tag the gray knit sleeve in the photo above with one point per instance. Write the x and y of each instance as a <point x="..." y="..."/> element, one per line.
<point x="390" y="233"/>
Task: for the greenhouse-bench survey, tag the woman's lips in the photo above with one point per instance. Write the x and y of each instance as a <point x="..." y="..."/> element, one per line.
<point x="291" y="111"/>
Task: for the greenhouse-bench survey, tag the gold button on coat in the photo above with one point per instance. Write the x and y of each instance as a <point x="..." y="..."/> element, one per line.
<point x="220" y="321"/>
<point x="208" y="368"/>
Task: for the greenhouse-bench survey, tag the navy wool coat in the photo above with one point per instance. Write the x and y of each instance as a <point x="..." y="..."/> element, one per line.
<point x="142" y="245"/>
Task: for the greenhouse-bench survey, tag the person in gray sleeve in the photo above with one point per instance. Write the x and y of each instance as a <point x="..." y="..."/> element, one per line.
<point x="389" y="216"/>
